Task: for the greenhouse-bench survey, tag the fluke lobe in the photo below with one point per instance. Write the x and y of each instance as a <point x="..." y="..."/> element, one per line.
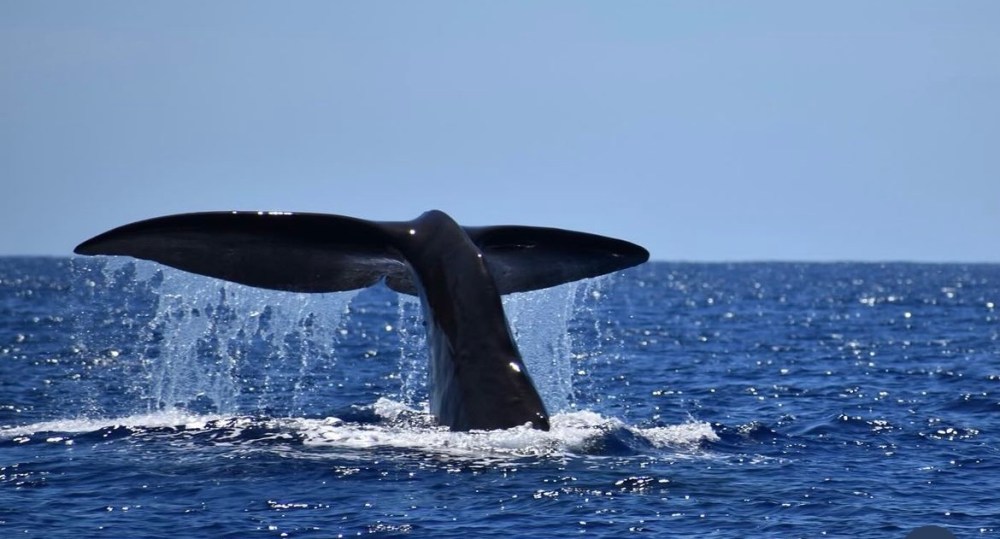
<point x="478" y="379"/>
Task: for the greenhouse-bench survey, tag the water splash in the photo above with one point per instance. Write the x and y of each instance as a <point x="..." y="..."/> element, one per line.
<point x="209" y="346"/>
<point x="215" y="347"/>
<point x="540" y="323"/>
<point x="412" y="350"/>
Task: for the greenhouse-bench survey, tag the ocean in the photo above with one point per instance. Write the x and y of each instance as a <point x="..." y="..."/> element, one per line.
<point x="688" y="400"/>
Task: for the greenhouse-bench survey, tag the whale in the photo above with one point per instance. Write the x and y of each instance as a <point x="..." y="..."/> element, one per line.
<point x="477" y="377"/>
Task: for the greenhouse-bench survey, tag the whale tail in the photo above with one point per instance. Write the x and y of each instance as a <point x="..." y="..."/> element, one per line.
<point x="310" y="252"/>
<point x="478" y="380"/>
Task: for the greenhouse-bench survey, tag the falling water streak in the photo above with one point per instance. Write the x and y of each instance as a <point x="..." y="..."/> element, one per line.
<point x="540" y="323"/>
<point x="309" y="349"/>
<point x="326" y="312"/>
<point x="412" y="351"/>
<point x="596" y="345"/>
<point x="607" y="342"/>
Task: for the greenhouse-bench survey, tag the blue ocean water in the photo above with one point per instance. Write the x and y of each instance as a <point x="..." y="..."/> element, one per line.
<point x="689" y="400"/>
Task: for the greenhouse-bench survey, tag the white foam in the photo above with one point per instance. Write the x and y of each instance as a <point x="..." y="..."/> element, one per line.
<point x="570" y="433"/>
<point x="406" y="428"/>
<point x="173" y="418"/>
<point x="691" y="433"/>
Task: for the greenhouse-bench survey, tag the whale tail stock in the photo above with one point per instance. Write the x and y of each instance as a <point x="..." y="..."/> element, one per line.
<point x="477" y="377"/>
<point x="311" y="252"/>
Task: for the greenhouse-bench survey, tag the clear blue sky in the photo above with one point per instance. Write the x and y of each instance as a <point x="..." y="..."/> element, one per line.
<point x="702" y="130"/>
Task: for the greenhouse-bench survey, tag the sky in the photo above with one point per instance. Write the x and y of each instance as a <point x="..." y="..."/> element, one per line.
<point x="704" y="131"/>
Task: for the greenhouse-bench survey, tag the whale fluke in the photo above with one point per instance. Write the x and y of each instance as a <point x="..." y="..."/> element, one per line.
<point x="478" y="379"/>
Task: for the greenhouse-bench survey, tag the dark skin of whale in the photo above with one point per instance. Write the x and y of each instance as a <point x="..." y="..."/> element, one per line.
<point x="478" y="380"/>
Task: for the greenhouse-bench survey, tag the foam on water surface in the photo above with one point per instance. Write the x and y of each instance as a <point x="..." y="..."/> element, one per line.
<point x="571" y="433"/>
<point x="398" y="428"/>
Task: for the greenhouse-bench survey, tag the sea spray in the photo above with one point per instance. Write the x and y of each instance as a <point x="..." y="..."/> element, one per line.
<point x="540" y="323"/>
<point x="211" y="346"/>
<point x="207" y="346"/>
<point x="413" y="358"/>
